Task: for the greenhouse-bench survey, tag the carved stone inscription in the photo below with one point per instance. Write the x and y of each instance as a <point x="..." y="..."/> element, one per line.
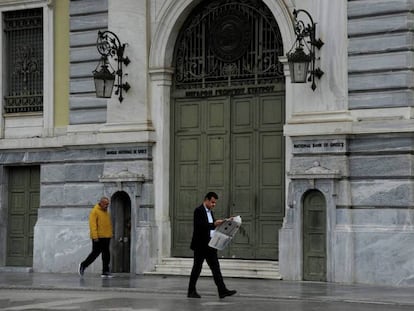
<point x="319" y="146"/>
<point x="134" y="152"/>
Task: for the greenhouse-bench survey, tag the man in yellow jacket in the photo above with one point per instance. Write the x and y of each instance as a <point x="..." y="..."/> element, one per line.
<point x="100" y="226"/>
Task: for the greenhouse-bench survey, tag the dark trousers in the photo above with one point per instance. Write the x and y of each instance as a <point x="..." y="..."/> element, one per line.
<point x="210" y="255"/>
<point x="98" y="247"/>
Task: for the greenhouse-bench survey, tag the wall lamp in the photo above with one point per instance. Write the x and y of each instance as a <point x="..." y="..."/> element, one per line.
<point x="108" y="45"/>
<point x="302" y="54"/>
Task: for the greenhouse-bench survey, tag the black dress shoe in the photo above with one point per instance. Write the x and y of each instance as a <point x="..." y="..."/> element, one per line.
<point x="227" y="293"/>
<point x="193" y="294"/>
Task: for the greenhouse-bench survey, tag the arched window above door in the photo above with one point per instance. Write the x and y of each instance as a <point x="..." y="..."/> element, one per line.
<point x="230" y="44"/>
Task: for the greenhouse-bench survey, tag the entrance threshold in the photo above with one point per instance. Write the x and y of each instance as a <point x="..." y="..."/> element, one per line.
<point x="238" y="268"/>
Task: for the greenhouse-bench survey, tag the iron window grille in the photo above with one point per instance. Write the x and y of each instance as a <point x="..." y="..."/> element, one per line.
<point x="23" y="31"/>
<point x="228" y="44"/>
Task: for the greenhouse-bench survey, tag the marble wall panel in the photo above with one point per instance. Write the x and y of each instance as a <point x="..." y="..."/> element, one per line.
<point x="385" y="42"/>
<point x="52" y="173"/>
<point x="380" y="24"/>
<point x="59" y="246"/>
<point x="88" y="6"/>
<point x="83" y="194"/>
<point x="385" y="61"/>
<point x="383" y="99"/>
<point x="90" y="21"/>
<point x="365" y="7"/>
<point x="82" y="70"/>
<point x="381" y="80"/>
<point x="382" y="193"/>
<point x="52" y="195"/>
<point x="383" y="256"/>
<point x="381" y="166"/>
<point x="83" y="172"/>
<point x="382" y="143"/>
<point x="387" y="218"/>
<point x="90" y="116"/>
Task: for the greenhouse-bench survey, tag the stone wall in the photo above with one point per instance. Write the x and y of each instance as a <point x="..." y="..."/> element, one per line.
<point x="72" y="181"/>
<point x="380" y="53"/>
<point x="86" y="18"/>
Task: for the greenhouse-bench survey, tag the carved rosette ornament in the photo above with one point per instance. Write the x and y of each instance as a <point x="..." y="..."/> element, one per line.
<point x="230" y="36"/>
<point x="228" y="44"/>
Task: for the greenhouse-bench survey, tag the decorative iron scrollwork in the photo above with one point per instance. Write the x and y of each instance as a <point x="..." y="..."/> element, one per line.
<point x="26" y="64"/>
<point x="230" y="36"/>
<point x="228" y="43"/>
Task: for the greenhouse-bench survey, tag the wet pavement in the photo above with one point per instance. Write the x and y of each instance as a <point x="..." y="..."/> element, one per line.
<point x="47" y="291"/>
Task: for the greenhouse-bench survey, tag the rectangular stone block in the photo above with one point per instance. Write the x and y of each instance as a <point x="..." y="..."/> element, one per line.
<point x="380" y="80"/>
<point x="387" y="218"/>
<point x="380" y="24"/>
<point x="385" y="42"/>
<point x="88" y="6"/>
<point x="382" y="193"/>
<point x="52" y="173"/>
<point x="83" y="194"/>
<point x="381" y="7"/>
<point x="88" y="22"/>
<point x="87" y="116"/>
<point x="382" y="144"/>
<point x="381" y="62"/>
<point x="381" y="99"/>
<point x="381" y="166"/>
<point x="83" y="172"/>
<point x="381" y="256"/>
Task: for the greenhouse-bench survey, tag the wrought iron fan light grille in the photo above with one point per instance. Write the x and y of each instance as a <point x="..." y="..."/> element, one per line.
<point x="228" y="44"/>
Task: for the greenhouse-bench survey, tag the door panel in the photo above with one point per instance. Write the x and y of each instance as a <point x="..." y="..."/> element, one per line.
<point x="120" y="210"/>
<point x="257" y="144"/>
<point x="200" y="151"/>
<point x="23" y="198"/>
<point x="314" y="237"/>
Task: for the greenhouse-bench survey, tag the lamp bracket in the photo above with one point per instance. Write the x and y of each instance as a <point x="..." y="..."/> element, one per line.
<point x="109" y="46"/>
<point x="306" y="39"/>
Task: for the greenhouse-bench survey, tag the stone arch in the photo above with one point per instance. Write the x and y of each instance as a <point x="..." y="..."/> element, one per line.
<point x="169" y="21"/>
<point x="174" y="13"/>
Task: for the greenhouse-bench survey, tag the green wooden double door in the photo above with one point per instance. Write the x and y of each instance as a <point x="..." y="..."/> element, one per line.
<point x="233" y="146"/>
<point x="23" y="203"/>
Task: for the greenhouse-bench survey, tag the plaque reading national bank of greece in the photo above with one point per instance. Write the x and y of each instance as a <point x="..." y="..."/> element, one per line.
<point x="319" y="146"/>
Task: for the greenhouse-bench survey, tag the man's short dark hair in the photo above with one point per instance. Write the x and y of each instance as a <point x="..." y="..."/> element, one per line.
<point x="211" y="195"/>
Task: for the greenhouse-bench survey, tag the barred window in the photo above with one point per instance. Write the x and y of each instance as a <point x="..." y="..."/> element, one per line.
<point x="23" y="31"/>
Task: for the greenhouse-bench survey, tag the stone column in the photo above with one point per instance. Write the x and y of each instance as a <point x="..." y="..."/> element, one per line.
<point x="160" y="90"/>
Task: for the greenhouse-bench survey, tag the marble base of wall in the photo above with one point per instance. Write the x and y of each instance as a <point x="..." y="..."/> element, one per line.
<point x="360" y="254"/>
<point x="60" y="246"/>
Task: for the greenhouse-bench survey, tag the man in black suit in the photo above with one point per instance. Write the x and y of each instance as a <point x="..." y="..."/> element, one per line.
<point x="203" y="227"/>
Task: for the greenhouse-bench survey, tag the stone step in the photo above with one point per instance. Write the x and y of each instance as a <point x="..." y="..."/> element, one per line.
<point x="229" y="268"/>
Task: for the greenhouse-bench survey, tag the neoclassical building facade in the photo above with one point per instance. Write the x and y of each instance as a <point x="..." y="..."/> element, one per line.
<point x="322" y="178"/>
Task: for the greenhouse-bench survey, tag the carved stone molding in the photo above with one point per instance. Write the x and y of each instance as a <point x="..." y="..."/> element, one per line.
<point x="315" y="172"/>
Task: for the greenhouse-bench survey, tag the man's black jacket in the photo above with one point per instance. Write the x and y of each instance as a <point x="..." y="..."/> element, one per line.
<point x="201" y="229"/>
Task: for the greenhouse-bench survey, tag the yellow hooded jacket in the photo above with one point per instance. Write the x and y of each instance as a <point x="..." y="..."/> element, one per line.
<point x="100" y="223"/>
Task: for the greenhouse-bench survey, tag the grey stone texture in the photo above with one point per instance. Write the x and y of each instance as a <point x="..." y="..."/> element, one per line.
<point x="374" y="31"/>
<point x="86" y="18"/>
<point x="369" y="200"/>
<point x="71" y="183"/>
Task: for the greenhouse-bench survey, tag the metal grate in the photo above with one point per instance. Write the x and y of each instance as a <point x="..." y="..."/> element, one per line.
<point x="24" y="60"/>
<point x="228" y="43"/>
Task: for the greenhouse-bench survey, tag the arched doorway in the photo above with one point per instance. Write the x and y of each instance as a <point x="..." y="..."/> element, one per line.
<point x="227" y="121"/>
<point x="314" y="237"/>
<point x="121" y="242"/>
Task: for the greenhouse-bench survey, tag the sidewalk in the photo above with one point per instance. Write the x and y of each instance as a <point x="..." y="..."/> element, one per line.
<point x="254" y="288"/>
